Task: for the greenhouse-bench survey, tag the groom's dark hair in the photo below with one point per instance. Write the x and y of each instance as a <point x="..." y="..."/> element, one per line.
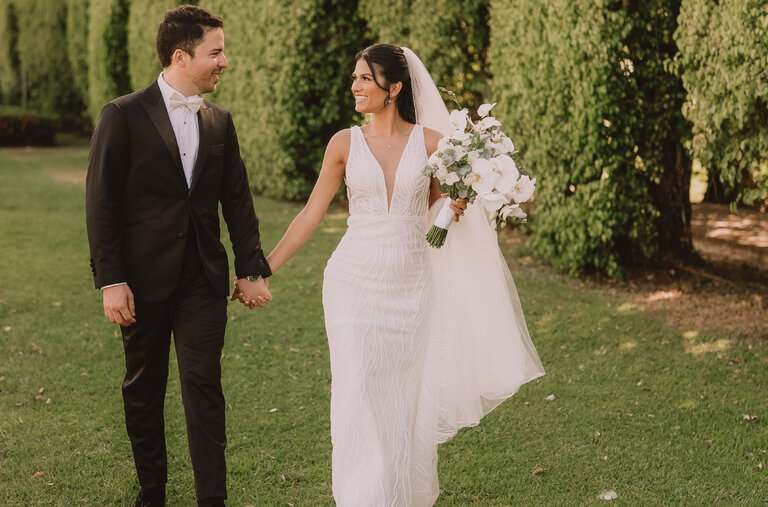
<point x="183" y="27"/>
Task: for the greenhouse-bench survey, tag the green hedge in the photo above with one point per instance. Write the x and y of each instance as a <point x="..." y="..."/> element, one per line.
<point x="107" y="53"/>
<point x="724" y="65"/>
<point x="77" y="45"/>
<point x="9" y="57"/>
<point x="288" y="84"/>
<point x="42" y="52"/>
<point x="144" y="18"/>
<point x="574" y="80"/>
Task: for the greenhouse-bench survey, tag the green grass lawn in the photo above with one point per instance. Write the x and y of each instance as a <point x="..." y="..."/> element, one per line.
<point x="661" y="415"/>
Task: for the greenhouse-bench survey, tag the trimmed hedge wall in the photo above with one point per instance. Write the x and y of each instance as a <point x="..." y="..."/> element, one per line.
<point x="9" y="57"/>
<point x="77" y="45"/>
<point x="723" y="63"/>
<point x="107" y="53"/>
<point x="450" y="36"/>
<point x="42" y="52"/>
<point x="144" y="18"/>
<point x="575" y="84"/>
<point x="287" y="85"/>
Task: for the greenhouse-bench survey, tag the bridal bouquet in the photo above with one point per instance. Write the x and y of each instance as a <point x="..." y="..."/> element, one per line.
<point x="475" y="162"/>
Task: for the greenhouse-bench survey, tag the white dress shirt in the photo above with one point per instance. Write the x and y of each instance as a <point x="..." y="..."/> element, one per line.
<point x="184" y="123"/>
<point x="187" y="131"/>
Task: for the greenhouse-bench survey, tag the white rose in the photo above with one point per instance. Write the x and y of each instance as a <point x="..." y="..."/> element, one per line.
<point x="443" y="144"/>
<point x="461" y="136"/>
<point x="508" y="143"/>
<point x="523" y="189"/>
<point x="441" y="174"/>
<point x="451" y="178"/>
<point x="486" y="176"/>
<point x="483" y="110"/>
<point x="498" y="148"/>
<point x="459" y="119"/>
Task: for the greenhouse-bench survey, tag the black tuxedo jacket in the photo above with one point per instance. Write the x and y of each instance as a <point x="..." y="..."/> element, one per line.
<point x="138" y="206"/>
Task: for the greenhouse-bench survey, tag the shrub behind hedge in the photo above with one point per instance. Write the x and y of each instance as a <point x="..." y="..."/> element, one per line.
<point x="26" y="131"/>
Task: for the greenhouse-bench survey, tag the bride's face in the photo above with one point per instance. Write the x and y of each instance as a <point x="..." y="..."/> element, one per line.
<point x="369" y="98"/>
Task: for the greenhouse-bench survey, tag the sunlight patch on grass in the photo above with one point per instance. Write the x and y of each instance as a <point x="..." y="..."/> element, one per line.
<point x="663" y="294"/>
<point x="698" y="349"/>
<point x="627" y="308"/>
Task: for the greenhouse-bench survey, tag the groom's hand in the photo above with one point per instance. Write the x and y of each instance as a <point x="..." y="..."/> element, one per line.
<point x="251" y="294"/>
<point x="119" y="306"/>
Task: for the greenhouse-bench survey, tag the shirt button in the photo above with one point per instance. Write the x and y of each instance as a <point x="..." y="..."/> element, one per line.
<point x="181" y="235"/>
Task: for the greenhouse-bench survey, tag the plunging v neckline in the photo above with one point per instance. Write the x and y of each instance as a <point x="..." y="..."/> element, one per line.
<point x="381" y="169"/>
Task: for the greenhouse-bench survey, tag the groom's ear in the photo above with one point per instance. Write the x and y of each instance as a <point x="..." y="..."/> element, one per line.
<point x="180" y="57"/>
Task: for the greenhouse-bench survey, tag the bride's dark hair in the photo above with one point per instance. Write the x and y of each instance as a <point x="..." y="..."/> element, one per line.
<point x="390" y="61"/>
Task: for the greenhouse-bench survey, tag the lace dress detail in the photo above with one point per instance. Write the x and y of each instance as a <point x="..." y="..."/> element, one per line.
<point x="376" y="296"/>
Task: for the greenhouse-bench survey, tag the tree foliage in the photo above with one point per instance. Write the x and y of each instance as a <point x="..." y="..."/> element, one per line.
<point x="582" y="91"/>
<point x="144" y="17"/>
<point x="287" y="85"/>
<point x="77" y="45"/>
<point x="107" y="53"/>
<point x="9" y="55"/>
<point x="723" y="47"/>
<point x="42" y="55"/>
<point x="450" y="36"/>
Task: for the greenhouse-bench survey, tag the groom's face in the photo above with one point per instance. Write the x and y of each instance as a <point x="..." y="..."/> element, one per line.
<point x="208" y="61"/>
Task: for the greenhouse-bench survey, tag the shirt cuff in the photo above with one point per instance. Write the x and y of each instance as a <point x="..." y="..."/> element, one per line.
<point x="113" y="285"/>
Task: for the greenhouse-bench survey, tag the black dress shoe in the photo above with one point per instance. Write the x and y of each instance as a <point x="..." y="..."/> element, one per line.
<point x="151" y="497"/>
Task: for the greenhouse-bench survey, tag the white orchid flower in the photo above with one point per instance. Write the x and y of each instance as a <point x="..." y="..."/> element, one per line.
<point x="506" y="166"/>
<point x="483" y="110"/>
<point x="489" y="122"/>
<point x="523" y="189"/>
<point x="459" y="119"/>
<point x="492" y="201"/>
<point x="487" y="176"/>
<point x="511" y="210"/>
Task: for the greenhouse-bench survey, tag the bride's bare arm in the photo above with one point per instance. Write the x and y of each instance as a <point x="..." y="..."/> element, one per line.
<point x="431" y="138"/>
<point x="305" y="223"/>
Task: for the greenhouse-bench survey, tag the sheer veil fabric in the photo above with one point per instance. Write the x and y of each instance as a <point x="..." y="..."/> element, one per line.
<point x="479" y="351"/>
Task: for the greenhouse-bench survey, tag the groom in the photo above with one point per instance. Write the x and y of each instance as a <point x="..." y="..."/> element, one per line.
<point x="161" y="161"/>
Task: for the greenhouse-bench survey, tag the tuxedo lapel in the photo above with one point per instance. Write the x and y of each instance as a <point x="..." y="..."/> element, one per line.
<point x="155" y="106"/>
<point x="205" y="127"/>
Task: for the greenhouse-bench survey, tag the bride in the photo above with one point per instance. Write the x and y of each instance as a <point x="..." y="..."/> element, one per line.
<point x="422" y="341"/>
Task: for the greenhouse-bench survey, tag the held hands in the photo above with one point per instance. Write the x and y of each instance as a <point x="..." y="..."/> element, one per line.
<point x="251" y="294"/>
<point x="119" y="306"/>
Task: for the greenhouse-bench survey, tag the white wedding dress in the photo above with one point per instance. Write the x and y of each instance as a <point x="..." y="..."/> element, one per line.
<point x="418" y="349"/>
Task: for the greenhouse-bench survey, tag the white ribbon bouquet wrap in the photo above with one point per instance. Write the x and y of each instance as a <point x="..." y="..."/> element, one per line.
<point x="474" y="162"/>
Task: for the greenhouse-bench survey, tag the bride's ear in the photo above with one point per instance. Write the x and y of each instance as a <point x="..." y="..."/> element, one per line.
<point x="394" y="89"/>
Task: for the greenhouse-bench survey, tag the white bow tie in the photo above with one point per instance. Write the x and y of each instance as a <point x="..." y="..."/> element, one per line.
<point x="192" y="103"/>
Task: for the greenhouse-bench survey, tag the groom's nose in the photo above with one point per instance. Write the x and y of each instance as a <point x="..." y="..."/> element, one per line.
<point x="223" y="62"/>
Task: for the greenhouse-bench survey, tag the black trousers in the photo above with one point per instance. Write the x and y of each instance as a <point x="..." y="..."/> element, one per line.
<point x="197" y="318"/>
